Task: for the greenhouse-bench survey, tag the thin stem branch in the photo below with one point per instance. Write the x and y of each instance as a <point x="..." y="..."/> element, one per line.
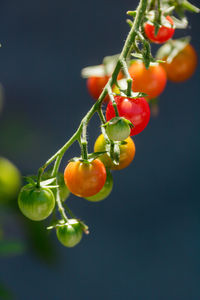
<point x="128" y="77"/>
<point x="58" y="200"/>
<point x="159" y="12"/>
<point x="101" y="116"/>
<point x="113" y="101"/>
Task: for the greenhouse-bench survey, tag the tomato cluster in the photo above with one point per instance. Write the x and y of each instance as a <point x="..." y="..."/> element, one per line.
<point x="127" y="115"/>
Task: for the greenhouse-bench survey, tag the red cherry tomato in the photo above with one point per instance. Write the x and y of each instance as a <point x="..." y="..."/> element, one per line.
<point x="165" y="32"/>
<point x="182" y="66"/>
<point x="85" y="179"/>
<point x="150" y="81"/>
<point x="95" y="86"/>
<point x="135" y="110"/>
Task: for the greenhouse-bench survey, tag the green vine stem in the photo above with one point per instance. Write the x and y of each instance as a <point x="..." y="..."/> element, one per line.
<point x="129" y="80"/>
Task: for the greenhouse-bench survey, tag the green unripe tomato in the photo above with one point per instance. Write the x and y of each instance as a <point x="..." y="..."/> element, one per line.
<point x="69" y="234"/>
<point x="36" y="203"/>
<point x="118" y="129"/>
<point x="10" y="181"/>
<point x="105" y="191"/>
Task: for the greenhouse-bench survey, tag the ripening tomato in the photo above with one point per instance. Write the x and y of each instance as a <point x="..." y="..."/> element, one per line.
<point x="69" y="234"/>
<point x="183" y="65"/>
<point x="136" y="110"/>
<point x="118" y="129"/>
<point x="36" y="203"/>
<point x="95" y="86"/>
<point x="127" y="153"/>
<point x="150" y="81"/>
<point x="85" y="179"/>
<point x="105" y="191"/>
<point x="165" y="32"/>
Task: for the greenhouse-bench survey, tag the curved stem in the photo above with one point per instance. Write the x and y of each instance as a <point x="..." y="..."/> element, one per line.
<point x="129" y="80"/>
<point x="101" y="116"/>
<point x="113" y="101"/>
<point x="58" y="200"/>
<point x="159" y="12"/>
<point x="84" y="150"/>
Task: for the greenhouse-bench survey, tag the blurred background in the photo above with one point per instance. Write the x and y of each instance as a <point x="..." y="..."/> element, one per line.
<point x="144" y="240"/>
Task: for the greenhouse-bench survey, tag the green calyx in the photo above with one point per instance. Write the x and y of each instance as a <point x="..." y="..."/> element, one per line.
<point x="172" y="48"/>
<point x="118" y="128"/>
<point x="90" y="157"/>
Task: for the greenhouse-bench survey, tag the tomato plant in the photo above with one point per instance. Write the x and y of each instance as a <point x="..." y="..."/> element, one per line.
<point x="105" y="191"/>
<point x="183" y="65"/>
<point x="165" y="31"/>
<point x="124" y="83"/>
<point x="151" y="81"/>
<point x="127" y="153"/>
<point x="36" y="203"/>
<point x="136" y="110"/>
<point x="85" y="179"/>
<point x="70" y="233"/>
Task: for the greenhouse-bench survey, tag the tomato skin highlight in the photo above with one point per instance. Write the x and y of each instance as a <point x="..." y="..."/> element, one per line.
<point x="136" y="110"/>
<point x="164" y="33"/>
<point x="36" y="203"/>
<point x="182" y="66"/>
<point x="95" y="87"/>
<point x="150" y="81"/>
<point x="127" y="153"/>
<point x="85" y="179"/>
<point x="105" y="191"/>
<point x="69" y="234"/>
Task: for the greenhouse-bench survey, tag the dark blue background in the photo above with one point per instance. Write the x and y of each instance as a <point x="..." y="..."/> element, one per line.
<point x="145" y="238"/>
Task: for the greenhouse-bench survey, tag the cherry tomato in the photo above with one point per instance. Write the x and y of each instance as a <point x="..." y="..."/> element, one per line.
<point x="150" y="81"/>
<point x="95" y="86"/>
<point x="36" y="203"/>
<point x="69" y="234"/>
<point x="105" y="191"/>
<point x="85" y="179"/>
<point x="118" y="129"/>
<point x="165" y="32"/>
<point x="127" y="153"/>
<point x="137" y="111"/>
<point x="183" y="65"/>
<point x="10" y="181"/>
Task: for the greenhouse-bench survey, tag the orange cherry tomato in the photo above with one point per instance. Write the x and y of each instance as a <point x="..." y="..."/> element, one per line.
<point x="95" y="86"/>
<point x="127" y="153"/>
<point x="150" y="81"/>
<point x="85" y="179"/>
<point x="183" y="65"/>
